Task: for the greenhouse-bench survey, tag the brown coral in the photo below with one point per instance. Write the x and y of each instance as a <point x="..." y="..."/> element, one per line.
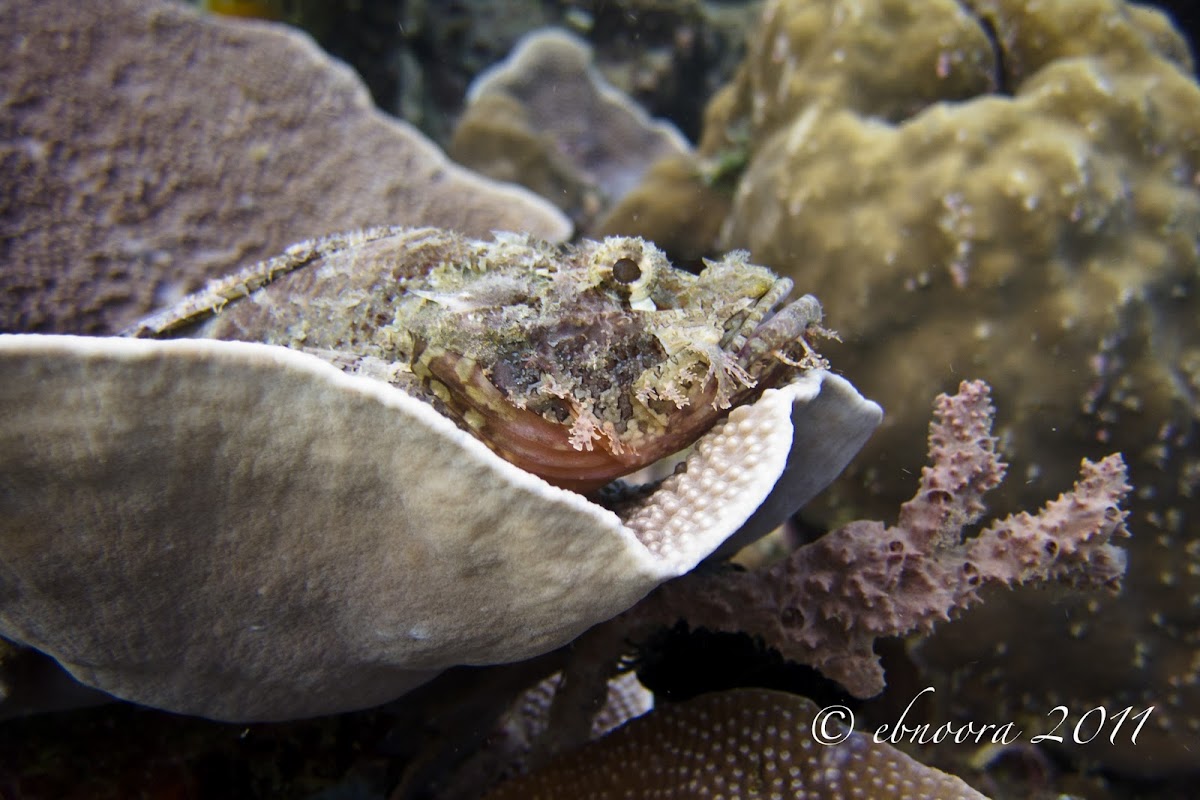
<point x="545" y="118"/>
<point x="737" y="744"/>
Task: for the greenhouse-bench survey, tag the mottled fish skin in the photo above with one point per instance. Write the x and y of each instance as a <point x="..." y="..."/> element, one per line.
<point x="579" y="363"/>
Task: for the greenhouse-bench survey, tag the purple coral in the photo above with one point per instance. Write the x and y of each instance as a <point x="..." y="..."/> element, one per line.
<point x="829" y="600"/>
<point x="824" y="606"/>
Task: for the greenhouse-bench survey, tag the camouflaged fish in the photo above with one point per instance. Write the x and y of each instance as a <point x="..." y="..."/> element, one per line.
<point x="579" y="363"/>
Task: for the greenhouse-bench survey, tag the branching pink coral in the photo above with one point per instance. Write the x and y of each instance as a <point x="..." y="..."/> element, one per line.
<point x="827" y="603"/>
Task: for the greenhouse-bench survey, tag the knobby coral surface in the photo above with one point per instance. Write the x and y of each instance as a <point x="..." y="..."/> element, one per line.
<point x="1009" y="189"/>
<point x="147" y="147"/>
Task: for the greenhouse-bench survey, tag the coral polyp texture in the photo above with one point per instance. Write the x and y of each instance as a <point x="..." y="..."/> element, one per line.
<point x="148" y="147"/>
<point x="740" y="743"/>
<point x="1011" y="190"/>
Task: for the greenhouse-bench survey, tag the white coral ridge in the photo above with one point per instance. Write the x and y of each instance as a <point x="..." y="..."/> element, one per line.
<point x="243" y="532"/>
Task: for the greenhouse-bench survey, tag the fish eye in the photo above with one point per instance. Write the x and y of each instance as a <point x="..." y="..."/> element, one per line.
<point x="626" y="270"/>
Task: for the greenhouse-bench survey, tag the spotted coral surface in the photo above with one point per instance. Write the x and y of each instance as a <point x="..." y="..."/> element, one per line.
<point x="746" y="743"/>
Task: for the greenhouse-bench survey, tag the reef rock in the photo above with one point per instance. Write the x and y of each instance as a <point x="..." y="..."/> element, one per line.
<point x="546" y="119"/>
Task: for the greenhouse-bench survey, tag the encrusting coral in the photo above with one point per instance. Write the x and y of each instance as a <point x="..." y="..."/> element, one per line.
<point x="216" y="471"/>
<point x="148" y="147"/>
<point x="309" y="526"/>
<point x="742" y="743"/>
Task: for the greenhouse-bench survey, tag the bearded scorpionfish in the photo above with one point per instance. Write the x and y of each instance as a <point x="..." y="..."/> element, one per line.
<point x="578" y="363"/>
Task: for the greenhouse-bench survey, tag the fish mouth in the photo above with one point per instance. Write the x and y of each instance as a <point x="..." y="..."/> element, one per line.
<point x="550" y="449"/>
<point x="582" y="454"/>
<point x="523" y="437"/>
<point x="780" y="341"/>
<point x="743" y="324"/>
